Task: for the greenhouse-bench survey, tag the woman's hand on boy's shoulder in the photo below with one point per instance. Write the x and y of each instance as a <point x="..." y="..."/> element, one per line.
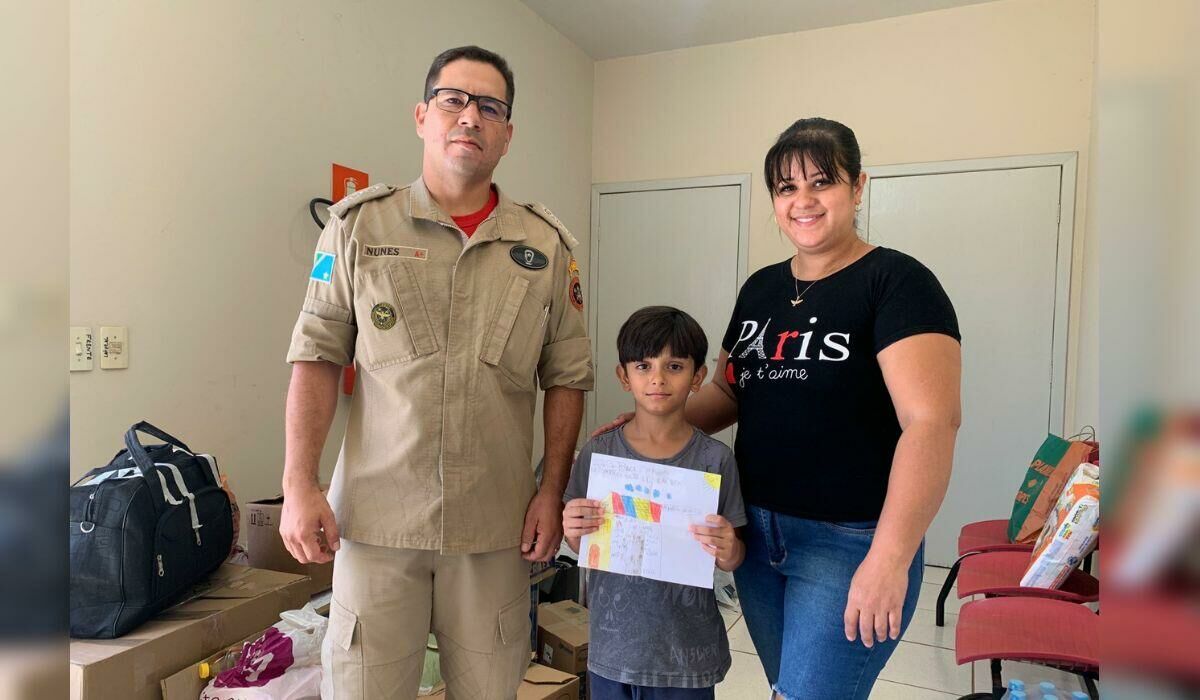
<point x="617" y="422"/>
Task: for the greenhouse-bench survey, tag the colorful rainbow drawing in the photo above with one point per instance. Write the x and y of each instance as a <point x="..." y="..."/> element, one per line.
<point x="640" y="508"/>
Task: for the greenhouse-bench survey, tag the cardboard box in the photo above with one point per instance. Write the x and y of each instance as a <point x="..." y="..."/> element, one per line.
<point x="232" y="604"/>
<point x="562" y="636"/>
<point x="264" y="546"/>
<point x="541" y="683"/>
<point x="187" y="684"/>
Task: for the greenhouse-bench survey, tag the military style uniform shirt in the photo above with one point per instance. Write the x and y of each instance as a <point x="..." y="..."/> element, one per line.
<point x="451" y="337"/>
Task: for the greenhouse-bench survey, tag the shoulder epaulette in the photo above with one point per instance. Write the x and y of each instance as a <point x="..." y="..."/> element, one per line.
<point x="353" y="200"/>
<point x="548" y="216"/>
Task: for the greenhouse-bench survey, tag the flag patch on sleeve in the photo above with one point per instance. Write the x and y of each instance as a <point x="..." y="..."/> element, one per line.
<point x="322" y="267"/>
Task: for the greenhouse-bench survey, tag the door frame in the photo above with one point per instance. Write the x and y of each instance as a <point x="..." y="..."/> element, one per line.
<point x="740" y="180"/>
<point x="1067" y="162"/>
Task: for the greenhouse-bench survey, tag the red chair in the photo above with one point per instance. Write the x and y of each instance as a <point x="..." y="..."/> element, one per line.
<point x="988" y="536"/>
<point x="995" y="574"/>
<point x="973" y="538"/>
<point x="983" y="537"/>
<point x="1051" y="633"/>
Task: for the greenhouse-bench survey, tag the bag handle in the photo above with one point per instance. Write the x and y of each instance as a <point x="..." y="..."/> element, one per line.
<point x="1087" y="432"/>
<point x="158" y="488"/>
<point x="144" y="427"/>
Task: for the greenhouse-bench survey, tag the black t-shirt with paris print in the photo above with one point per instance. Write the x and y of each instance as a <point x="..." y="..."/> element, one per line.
<point x="816" y="426"/>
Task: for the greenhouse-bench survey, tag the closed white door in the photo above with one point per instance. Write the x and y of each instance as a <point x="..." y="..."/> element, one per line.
<point x="994" y="240"/>
<point x="677" y="244"/>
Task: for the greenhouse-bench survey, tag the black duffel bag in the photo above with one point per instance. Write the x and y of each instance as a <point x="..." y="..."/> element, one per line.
<point x="144" y="529"/>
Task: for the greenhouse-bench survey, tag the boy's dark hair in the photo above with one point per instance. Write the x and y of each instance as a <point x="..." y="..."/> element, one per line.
<point x="472" y="53"/>
<point x="652" y="329"/>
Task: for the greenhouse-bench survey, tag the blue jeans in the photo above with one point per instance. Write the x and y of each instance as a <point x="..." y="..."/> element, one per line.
<point x="601" y="688"/>
<point x="793" y="587"/>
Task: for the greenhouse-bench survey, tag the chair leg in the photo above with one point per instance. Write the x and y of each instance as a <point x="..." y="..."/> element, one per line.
<point x="1089" y="682"/>
<point x="997" y="680"/>
<point x="940" y="612"/>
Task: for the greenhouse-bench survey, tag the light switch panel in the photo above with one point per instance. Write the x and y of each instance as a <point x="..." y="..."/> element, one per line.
<point x="80" y="349"/>
<point x="114" y="347"/>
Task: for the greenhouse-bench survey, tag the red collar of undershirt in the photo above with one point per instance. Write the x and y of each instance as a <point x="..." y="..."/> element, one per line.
<point x="470" y="222"/>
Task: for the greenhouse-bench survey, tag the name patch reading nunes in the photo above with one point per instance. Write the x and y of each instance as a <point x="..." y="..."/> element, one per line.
<point x="396" y="251"/>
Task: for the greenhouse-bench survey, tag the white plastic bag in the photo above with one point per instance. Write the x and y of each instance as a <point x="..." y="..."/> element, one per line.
<point x="282" y="664"/>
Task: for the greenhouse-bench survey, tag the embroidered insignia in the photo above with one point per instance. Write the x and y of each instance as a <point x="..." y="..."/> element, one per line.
<point x="576" y="294"/>
<point x="383" y="315"/>
<point x="322" y="270"/>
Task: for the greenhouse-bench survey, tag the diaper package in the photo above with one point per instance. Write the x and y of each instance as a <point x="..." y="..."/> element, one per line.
<point x="1070" y="532"/>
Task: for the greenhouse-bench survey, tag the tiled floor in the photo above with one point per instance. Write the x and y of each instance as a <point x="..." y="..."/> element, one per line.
<point x="922" y="667"/>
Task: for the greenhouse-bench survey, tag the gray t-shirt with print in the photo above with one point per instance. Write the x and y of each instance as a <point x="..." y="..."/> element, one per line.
<point x="653" y="633"/>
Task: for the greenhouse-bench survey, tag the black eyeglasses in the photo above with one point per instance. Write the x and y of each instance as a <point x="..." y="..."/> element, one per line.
<point x="452" y="100"/>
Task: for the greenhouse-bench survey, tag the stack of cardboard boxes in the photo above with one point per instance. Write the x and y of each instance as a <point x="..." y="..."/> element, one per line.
<point x="234" y="603"/>
<point x="562" y="639"/>
<point x="162" y="658"/>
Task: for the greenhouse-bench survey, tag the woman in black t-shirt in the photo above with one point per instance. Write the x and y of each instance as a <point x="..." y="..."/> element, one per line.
<point x="841" y="367"/>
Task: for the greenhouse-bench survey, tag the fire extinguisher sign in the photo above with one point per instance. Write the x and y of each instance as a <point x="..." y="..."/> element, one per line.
<point x="346" y="181"/>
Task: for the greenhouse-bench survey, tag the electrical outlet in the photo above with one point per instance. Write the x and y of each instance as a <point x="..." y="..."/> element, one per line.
<point x="80" y="348"/>
<point x="114" y="347"/>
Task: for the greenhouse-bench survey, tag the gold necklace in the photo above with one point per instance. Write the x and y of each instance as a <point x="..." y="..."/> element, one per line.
<point x="799" y="294"/>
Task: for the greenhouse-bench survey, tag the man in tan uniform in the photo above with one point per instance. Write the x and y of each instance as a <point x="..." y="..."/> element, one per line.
<point x="454" y="303"/>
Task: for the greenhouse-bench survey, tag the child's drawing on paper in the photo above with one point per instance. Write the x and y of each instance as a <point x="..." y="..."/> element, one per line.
<point x="647" y="510"/>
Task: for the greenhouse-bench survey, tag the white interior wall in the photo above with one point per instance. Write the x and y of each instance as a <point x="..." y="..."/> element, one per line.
<point x="199" y="133"/>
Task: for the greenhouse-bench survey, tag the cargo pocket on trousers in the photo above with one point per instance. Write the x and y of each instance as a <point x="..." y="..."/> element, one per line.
<point x="516" y="333"/>
<point x="345" y="651"/>
<point x="515" y="623"/>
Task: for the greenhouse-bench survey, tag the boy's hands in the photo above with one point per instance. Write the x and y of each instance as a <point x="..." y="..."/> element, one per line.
<point x="581" y="516"/>
<point x="720" y="540"/>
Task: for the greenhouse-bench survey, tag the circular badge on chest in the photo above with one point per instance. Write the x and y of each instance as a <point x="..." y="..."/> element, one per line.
<point x="383" y="315"/>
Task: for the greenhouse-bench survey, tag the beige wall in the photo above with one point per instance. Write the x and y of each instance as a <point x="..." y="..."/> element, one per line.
<point x="199" y="133"/>
<point x="33" y="288"/>
<point x="998" y="79"/>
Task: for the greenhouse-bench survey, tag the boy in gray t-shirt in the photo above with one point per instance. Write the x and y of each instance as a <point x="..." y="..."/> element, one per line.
<point x="666" y="640"/>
